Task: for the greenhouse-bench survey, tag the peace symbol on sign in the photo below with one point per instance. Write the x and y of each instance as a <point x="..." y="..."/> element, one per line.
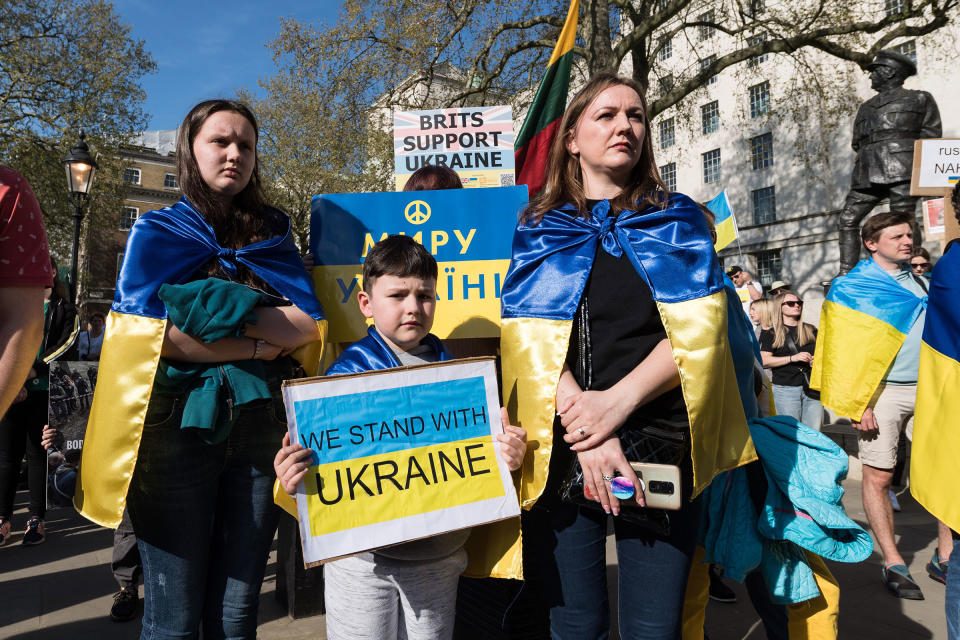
<point x="417" y="212"/>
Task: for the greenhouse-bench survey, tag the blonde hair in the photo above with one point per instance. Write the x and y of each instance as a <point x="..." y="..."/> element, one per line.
<point x="564" y="178"/>
<point x="804" y="330"/>
<point x="764" y="307"/>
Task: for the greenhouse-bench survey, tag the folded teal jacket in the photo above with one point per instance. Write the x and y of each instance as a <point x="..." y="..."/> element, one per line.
<point x="209" y="310"/>
<point x="801" y="509"/>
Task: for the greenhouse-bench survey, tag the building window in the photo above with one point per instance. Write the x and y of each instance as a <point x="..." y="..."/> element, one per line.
<point x="131" y="175"/>
<point x="669" y="174"/>
<point x="666" y="50"/>
<point x="667" y="133"/>
<point x="666" y="83"/>
<point x="706" y="62"/>
<point x="128" y="216"/>
<point x="169" y="181"/>
<point x="710" y="117"/>
<point x="761" y="151"/>
<point x="764" y="205"/>
<point x="909" y="49"/>
<point x="706" y="31"/>
<point x="711" y="166"/>
<point x="769" y="266"/>
<point x="759" y="99"/>
<point x="753" y="41"/>
<point x="892" y="7"/>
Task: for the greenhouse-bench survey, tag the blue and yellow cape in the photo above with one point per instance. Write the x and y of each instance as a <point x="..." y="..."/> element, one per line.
<point x="936" y="428"/>
<point x="671" y="249"/>
<point x="863" y="323"/>
<point x="165" y="247"/>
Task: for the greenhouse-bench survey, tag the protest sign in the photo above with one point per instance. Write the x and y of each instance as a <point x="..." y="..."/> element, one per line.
<point x="933" y="222"/>
<point x="469" y="232"/>
<point x="476" y="142"/>
<point x="71" y="385"/>
<point x="399" y="454"/>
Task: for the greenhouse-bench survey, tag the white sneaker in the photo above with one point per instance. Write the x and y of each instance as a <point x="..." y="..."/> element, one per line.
<point x="894" y="502"/>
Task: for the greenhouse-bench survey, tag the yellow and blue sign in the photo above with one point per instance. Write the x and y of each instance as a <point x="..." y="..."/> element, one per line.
<point x="468" y="231"/>
<point x="399" y="454"/>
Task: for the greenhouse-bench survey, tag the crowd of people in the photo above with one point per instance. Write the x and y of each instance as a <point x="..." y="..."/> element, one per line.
<point x="623" y="343"/>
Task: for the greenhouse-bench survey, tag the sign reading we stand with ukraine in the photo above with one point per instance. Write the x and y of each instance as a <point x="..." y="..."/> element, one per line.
<point x="468" y="231"/>
<point x="399" y="454"/>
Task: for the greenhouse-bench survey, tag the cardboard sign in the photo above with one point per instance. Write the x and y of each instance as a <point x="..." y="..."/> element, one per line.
<point x="400" y="454"/>
<point x="476" y="142"/>
<point x="469" y="232"/>
<point x="933" y="221"/>
<point x="936" y="166"/>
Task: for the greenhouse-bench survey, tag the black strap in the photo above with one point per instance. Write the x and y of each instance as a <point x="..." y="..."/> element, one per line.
<point x="922" y="282"/>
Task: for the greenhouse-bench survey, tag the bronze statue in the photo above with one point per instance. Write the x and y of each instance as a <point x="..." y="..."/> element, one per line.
<point x="883" y="134"/>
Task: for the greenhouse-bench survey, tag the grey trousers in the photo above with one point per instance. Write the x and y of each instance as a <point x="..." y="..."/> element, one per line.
<point x="126" y="557"/>
<point x="375" y="597"/>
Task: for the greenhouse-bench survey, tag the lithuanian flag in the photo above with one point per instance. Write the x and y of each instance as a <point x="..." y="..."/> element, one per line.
<point x="936" y="429"/>
<point x="543" y="118"/>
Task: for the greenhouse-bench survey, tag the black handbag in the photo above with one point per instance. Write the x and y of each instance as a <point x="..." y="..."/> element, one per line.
<point x="657" y="441"/>
<point x="792" y="348"/>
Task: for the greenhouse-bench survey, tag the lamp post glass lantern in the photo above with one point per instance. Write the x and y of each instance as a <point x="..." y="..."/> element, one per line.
<point x="80" y="167"/>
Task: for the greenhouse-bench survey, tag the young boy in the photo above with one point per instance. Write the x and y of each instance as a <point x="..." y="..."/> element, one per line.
<point x="414" y="584"/>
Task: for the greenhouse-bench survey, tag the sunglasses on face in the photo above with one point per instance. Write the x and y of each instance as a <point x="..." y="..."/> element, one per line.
<point x="792" y="303"/>
<point x="920" y="265"/>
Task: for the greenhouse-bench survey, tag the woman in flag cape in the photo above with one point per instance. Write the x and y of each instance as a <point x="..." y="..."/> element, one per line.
<point x="615" y="319"/>
<point x="211" y="297"/>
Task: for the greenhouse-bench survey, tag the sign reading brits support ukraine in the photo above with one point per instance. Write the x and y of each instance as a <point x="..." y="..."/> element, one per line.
<point x="476" y="142"/>
<point x="468" y="231"/>
<point x="399" y="454"/>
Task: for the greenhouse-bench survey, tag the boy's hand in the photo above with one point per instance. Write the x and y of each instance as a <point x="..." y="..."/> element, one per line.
<point x="513" y="442"/>
<point x="291" y="464"/>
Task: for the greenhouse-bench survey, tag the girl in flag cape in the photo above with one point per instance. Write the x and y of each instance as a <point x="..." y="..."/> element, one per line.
<point x="211" y="300"/>
<point x="615" y="319"/>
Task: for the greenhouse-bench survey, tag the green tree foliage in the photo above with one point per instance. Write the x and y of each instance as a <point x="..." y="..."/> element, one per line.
<point x="66" y="65"/>
<point x="337" y="84"/>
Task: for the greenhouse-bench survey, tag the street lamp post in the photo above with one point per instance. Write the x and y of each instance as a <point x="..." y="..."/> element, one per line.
<point x="80" y="167"/>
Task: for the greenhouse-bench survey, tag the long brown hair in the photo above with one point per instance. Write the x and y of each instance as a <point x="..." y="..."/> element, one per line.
<point x="804" y="331"/>
<point x="564" y="181"/>
<point x="243" y="223"/>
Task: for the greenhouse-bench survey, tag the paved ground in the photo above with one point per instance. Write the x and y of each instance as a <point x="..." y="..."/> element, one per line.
<point x="63" y="589"/>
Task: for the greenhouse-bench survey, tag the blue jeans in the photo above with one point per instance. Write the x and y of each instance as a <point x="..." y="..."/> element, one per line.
<point x="204" y="519"/>
<point x="793" y="402"/>
<point x="952" y="598"/>
<point x="569" y="547"/>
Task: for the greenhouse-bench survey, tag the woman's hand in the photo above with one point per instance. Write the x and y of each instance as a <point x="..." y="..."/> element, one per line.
<point x="291" y="464"/>
<point x="288" y="327"/>
<point x="603" y="461"/>
<point x="594" y="417"/>
<point x="568" y="391"/>
<point x="48" y="437"/>
<point x="268" y="351"/>
<point x="802" y="357"/>
<point x="513" y="442"/>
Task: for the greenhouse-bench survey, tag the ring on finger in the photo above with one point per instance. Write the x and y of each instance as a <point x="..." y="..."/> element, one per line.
<point x="606" y="478"/>
<point x="583" y="434"/>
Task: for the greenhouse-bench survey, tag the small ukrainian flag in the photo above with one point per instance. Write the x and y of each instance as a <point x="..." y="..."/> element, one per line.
<point x="726" y="222"/>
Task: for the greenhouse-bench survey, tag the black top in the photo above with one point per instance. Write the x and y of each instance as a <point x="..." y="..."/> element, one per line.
<point x="625" y="327"/>
<point x="789" y="374"/>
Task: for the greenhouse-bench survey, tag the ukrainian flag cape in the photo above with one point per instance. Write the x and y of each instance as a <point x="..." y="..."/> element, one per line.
<point x="936" y="428"/>
<point x="864" y="321"/>
<point x="165" y="247"/>
<point x="373" y="354"/>
<point x="671" y="250"/>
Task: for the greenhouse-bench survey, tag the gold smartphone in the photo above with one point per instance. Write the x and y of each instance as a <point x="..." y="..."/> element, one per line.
<point x="660" y="484"/>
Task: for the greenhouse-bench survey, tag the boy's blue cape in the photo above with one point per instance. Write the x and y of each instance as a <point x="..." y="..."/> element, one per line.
<point x="372" y="353"/>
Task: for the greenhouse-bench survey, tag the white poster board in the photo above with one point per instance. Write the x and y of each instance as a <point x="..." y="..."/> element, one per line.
<point x="399" y="454"/>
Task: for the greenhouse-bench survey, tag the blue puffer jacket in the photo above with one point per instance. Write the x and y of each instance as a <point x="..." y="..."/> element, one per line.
<point x="801" y="510"/>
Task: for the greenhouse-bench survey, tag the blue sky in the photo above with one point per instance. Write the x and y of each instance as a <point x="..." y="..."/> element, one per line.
<point x="209" y="50"/>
